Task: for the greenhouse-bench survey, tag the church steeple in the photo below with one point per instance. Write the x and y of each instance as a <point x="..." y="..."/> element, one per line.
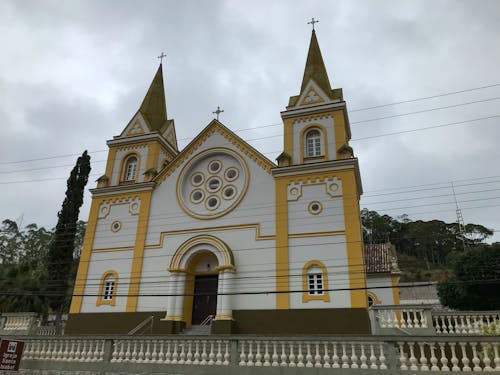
<point x="153" y="107"/>
<point x="315" y="68"/>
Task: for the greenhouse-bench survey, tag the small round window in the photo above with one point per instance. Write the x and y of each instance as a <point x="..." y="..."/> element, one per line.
<point x="197" y="196"/>
<point x="213" y="184"/>
<point x="116" y="226"/>
<point x="214" y="166"/>
<point x="315" y="208"/>
<point x="212" y="202"/>
<point x="197" y="179"/>
<point x="229" y="192"/>
<point x="231" y="174"/>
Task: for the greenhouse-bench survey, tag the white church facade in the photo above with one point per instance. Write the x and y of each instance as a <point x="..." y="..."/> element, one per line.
<point x="218" y="230"/>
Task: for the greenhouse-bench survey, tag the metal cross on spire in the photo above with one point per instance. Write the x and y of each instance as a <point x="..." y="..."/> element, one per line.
<point x="161" y="57"/>
<point x="312" y="22"/>
<point x="218" y="112"/>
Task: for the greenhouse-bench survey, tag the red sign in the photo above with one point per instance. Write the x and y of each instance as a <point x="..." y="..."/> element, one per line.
<point x="10" y="354"/>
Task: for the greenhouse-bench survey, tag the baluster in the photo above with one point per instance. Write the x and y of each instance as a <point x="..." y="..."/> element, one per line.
<point x="115" y="355"/>
<point x="204" y="353"/>
<point x="437" y="327"/>
<point x="175" y="354"/>
<point x="496" y="360"/>
<point x="345" y="358"/>
<point x="402" y="357"/>
<point x="211" y="356"/>
<point x="326" y="356"/>
<point x="95" y="355"/>
<point x="242" y="354"/>
<point x="308" y="355"/>
<point x="363" y="356"/>
<point x="413" y="359"/>
<point x="454" y="359"/>
<point x="140" y="358"/>
<point x="291" y="357"/>
<point x="128" y="353"/>
<point x="182" y="354"/>
<point x="101" y="352"/>
<point x="36" y="352"/>
<point x="463" y="326"/>
<point x="161" y="353"/>
<point x="335" y="357"/>
<point x="226" y="354"/>
<point x="317" y="357"/>
<point x="416" y="319"/>
<point x="197" y="353"/>
<point x="283" y="355"/>
<point x="154" y="354"/>
<point x="469" y="325"/>
<point x="486" y="358"/>
<point x="465" y="359"/>
<point x="451" y="328"/>
<point x="457" y="324"/>
<point x="275" y="362"/>
<point x="423" y="319"/>
<point x="78" y="352"/>
<point x="382" y="318"/>
<point x="27" y="350"/>
<point x="90" y="353"/>
<point x="444" y="327"/>
<point x="423" y="359"/>
<point x="66" y="350"/>
<point x="168" y="354"/>
<point x="258" y="356"/>
<point x="147" y="353"/>
<point x="444" y="360"/>
<point x="373" y="358"/>
<point x="354" y="357"/>
<point x="434" y="360"/>
<point x="300" y="357"/>
<point x="189" y="356"/>
<point x="267" y="357"/>
<point x="218" y="357"/>
<point x="383" y="366"/>
<point x="475" y="358"/>
<point x="250" y="361"/>
<point x="83" y="352"/>
<point x="121" y="352"/>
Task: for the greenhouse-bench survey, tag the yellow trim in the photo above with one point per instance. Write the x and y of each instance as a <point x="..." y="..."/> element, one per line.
<point x="288" y="137"/>
<point x="340" y="131"/>
<point x="395" y="288"/>
<point x="235" y="190"/>
<point x="83" y="266"/>
<point x="306" y="297"/>
<point x="118" y="248"/>
<point x="181" y="180"/>
<point x="282" y="257"/>
<point x="111" y="163"/>
<point x="123" y="164"/>
<point x="302" y="139"/>
<point x="195" y="191"/>
<point x="376" y="300"/>
<point x="153" y="155"/>
<point x="235" y="177"/>
<point x="316" y="234"/>
<point x="216" y="206"/>
<point x="218" y="170"/>
<point x="194" y="174"/>
<point x="223" y="316"/>
<point x="175" y="264"/>
<point x="309" y="208"/>
<point x="140" y="239"/>
<point x="100" y="298"/>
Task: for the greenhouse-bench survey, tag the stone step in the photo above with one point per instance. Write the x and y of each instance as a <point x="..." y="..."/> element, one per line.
<point x="195" y="330"/>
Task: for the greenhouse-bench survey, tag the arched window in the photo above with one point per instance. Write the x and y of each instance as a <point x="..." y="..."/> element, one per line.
<point x="130" y="168"/>
<point x="313" y="143"/>
<point x="372" y="299"/>
<point x="315" y="282"/>
<point x="107" y="288"/>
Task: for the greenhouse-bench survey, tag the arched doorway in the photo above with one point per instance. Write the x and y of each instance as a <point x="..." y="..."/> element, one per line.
<point x="200" y="273"/>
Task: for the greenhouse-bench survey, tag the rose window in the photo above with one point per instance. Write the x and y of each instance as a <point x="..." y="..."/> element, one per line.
<point x="212" y="183"/>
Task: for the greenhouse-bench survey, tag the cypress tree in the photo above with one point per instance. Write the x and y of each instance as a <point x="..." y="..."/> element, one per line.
<point x="60" y="254"/>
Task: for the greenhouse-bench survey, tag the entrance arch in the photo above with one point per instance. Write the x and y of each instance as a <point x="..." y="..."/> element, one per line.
<point x="200" y="273"/>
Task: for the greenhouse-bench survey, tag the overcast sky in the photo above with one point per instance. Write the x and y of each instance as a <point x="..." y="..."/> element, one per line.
<point x="72" y="73"/>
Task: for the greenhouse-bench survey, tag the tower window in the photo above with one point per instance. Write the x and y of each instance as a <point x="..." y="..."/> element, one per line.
<point x="130" y="170"/>
<point x="313" y="143"/>
<point x="315" y="281"/>
<point x="107" y="288"/>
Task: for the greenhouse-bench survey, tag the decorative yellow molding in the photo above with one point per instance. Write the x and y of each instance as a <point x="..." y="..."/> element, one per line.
<point x="100" y="297"/>
<point x="313" y="212"/>
<point x="395" y="288"/>
<point x="282" y="256"/>
<point x="306" y="297"/>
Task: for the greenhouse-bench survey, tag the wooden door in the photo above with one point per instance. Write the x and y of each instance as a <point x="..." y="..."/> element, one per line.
<point x="205" y="297"/>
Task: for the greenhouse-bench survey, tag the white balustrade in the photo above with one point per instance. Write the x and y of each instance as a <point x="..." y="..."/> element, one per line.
<point x="65" y="350"/>
<point x="401" y="317"/>
<point x="456" y="323"/>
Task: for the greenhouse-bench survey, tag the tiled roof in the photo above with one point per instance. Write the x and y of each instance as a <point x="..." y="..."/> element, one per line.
<point x="378" y="258"/>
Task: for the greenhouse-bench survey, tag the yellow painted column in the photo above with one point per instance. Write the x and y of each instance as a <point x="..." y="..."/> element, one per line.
<point x="282" y="258"/>
<point x="83" y="266"/>
<point x="140" y="239"/>
<point x="110" y="163"/>
<point x="354" y="241"/>
<point x="153" y="155"/>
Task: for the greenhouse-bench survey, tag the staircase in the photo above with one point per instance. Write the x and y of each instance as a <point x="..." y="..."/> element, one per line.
<point x="198" y="330"/>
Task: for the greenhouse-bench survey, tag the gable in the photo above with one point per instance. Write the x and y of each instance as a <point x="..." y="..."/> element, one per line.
<point x="136" y="126"/>
<point x="312" y="94"/>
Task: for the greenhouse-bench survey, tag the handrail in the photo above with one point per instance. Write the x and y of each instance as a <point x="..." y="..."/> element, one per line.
<point x="207" y="321"/>
<point x="142" y="324"/>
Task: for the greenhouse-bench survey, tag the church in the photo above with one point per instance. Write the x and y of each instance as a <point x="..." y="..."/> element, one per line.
<point x="217" y="232"/>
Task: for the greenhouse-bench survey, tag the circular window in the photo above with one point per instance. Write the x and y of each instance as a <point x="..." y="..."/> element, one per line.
<point x="212" y="202"/>
<point x="116" y="226"/>
<point x="315" y="208"/>
<point x="231" y="174"/>
<point x="197" y="179"/>
<point x="214" y="184"/>
<point x="197" y="196"/>
<point x="214" y="166"/>
<point x="229" y="192"/>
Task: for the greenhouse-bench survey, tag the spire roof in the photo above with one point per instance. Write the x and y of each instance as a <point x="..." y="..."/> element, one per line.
<point x="154" y="107"/>
<point x="315" y="68"/>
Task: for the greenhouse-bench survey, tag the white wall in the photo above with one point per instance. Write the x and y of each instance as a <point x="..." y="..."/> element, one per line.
<point x="384" y="294"/>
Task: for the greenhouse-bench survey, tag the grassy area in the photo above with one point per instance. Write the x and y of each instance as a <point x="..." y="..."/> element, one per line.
<point x="416" y="269"/>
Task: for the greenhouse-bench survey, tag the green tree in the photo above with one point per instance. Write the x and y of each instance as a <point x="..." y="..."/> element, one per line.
<point x="10" y="242"/>
<point x="475" y="281"/>
<point x="60" y="256"/>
